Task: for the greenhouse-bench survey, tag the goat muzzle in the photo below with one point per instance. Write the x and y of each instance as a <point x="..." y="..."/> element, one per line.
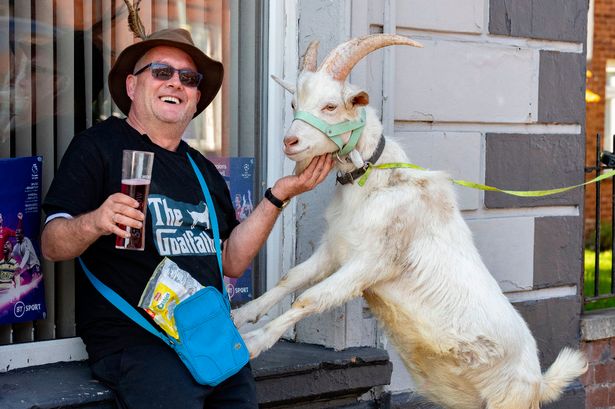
<point x="290" y="141"/>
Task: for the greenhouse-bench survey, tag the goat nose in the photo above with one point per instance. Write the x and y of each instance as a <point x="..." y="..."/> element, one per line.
<point x="290" y="141"/>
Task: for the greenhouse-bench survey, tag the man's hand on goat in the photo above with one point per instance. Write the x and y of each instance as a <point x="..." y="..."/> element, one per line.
<point x="315" y="173"/>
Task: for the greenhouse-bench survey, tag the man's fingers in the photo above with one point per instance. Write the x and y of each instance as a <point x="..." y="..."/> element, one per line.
<point x="124" y="199"/>
<point x="128" y="211"/>
<point x="316" y="171"/>
<point x="118" y="209"/>
<point x="315" y="167"/>
<point x="119" y="218"/>
<point x="323" y="167"/>
<point x="119" y="232"/>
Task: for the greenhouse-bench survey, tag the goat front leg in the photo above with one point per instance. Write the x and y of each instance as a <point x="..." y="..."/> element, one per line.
<point x="312" y="270"/>
<point x="346" y="283"/>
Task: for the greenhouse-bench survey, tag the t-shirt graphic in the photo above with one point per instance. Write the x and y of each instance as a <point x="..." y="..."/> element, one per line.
<point x="180" y="229"/>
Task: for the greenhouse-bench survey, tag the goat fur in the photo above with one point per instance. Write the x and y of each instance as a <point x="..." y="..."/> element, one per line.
<point x="400" y="241"/>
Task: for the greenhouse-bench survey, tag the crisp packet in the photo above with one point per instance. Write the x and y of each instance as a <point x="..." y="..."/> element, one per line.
<point x="168" y="286"/>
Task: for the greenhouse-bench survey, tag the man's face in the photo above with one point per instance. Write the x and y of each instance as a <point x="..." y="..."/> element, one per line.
<point x="8" y="248"/>
<point x="167" y="101"/>
<point x="19" y="235"/>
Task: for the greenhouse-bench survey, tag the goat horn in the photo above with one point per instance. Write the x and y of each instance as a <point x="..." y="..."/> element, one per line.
<point x="285" y="84"/>
<point x="344" y="57"/>
<point x="308" y="61"/>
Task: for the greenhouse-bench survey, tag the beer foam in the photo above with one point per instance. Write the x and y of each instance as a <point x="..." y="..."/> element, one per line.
<point x="135" y="182"/>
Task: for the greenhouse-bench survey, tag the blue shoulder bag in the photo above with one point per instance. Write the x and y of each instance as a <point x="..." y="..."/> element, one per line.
<point x="209" y="343"/>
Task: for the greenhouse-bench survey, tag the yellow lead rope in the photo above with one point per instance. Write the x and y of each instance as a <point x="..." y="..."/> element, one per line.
<point x="473" y="185"/>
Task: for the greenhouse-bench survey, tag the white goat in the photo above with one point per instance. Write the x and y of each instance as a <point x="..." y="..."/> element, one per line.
<point x="401" y="242"/>
<point x="202" y="219"/>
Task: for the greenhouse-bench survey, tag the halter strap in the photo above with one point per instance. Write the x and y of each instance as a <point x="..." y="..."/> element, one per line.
<point x="335" y="131"/>
<point x="350" y="177"/>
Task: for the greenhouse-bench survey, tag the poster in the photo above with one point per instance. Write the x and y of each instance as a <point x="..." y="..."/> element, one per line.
<point x="238" y="172"/>
<point x="22" y="294"/>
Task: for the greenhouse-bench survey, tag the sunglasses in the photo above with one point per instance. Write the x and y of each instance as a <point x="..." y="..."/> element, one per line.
<point x="165" y="72"/>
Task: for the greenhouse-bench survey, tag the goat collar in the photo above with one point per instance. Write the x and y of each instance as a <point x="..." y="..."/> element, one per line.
<point x="335" y="131"/>
<point x="349" y="177"/>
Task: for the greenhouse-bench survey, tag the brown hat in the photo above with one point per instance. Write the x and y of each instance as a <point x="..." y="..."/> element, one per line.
<point x="212" y="70"/>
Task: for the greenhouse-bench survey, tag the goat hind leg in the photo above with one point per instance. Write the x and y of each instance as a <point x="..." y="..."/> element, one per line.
<point x="516" y="395"/>
<point x="311" y="270"/>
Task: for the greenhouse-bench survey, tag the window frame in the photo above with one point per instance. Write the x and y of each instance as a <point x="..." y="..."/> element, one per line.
<point x="71" y="348"/>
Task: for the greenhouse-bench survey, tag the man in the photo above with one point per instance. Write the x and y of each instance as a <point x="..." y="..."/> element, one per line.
<point x="8" y="267"/>
<point x="242" y="209"/>
<point x="6" y="232"/>
<point x="24" y="251"/>
<point x="157" y="83"/>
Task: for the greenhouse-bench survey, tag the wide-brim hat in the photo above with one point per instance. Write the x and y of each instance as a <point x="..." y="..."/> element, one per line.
<point x="211" y="69"/>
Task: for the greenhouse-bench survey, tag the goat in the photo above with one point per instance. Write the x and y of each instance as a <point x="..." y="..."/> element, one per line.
<point x="400" y="241"/>
<point x="202" y="219"/>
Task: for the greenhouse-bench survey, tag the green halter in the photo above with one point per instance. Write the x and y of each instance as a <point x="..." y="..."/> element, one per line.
<point x="334" y="131"/>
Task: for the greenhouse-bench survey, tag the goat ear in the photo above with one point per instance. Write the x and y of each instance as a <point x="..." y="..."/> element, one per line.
<point x="359" y="98"/>
<point x="285" y="84"/>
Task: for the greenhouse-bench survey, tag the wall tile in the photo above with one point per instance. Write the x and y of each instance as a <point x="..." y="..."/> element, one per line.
<point x="533" y="162"/>
<point x="457" y="81"/>
<point x="562" y="20"/>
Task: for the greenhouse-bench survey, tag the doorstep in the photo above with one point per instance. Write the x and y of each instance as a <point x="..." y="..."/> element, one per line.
<point x="289" y="375"/>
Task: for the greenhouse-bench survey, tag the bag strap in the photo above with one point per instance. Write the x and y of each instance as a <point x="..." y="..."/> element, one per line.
<point x="214" y="222"/>
<point x="122" y="305"/>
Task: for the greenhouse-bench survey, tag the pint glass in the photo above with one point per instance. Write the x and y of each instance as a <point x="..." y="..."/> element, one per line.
<point x="136" y="177"/>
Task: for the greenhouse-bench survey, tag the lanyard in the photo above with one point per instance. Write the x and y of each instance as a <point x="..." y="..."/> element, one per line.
<point x="474" y="185"/>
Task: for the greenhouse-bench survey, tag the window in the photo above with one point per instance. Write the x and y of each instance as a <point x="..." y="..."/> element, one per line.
<point x="609" y="106"/>
<point x="54" y="60"/>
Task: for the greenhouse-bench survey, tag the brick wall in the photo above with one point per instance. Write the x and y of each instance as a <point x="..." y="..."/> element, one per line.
<point x="603" y="49"/>
<point x="599" y="380"/>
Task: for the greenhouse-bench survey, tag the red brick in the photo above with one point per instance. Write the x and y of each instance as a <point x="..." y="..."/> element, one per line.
<point x="586" y="348"/>
<point x="587" y="379"/>
<point x="597" y="397"/>
<point x="604" y="373"/>
<point x="612" y="396"/>
<point x="598" y="351"/>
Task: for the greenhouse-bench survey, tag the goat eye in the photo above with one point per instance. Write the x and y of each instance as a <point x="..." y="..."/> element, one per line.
<point x="330" y="107"/>
<point x="292" y="105"/>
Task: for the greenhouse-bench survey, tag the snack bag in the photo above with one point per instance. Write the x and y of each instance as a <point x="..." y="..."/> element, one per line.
<point x="168" y="286"/>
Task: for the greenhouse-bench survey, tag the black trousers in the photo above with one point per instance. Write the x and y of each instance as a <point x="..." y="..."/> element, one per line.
<point x="153" y="376"/>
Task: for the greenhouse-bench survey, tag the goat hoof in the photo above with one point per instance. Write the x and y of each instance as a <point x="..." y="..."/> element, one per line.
<point x="256" y="342"/>
<point x="243" y="315"/>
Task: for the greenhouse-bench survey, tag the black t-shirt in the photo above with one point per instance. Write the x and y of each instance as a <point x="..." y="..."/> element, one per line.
<point x="90" y="172"/>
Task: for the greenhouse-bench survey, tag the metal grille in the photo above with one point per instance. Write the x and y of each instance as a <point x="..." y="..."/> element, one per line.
<point x="604" y="160"/>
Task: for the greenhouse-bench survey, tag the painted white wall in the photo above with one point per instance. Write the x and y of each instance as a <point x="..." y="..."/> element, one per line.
<point x="454" y="81"/>
<point x="458" y="153"/>
<point x="509" y="257"/>
<point x="466" y="16"/>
